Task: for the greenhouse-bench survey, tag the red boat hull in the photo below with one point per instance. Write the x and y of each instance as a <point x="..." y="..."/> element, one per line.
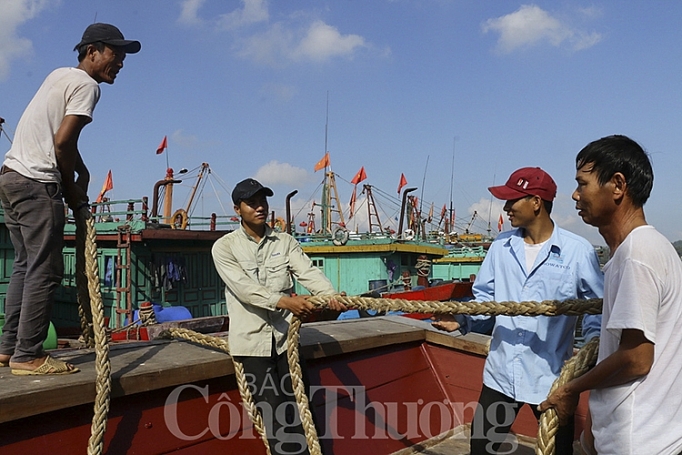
<point x="455" y="290"/>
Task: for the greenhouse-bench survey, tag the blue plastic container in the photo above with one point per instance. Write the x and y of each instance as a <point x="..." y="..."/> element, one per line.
<point x="167" y="313"/>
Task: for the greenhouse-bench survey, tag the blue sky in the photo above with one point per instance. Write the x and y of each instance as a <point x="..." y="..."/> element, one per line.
<point x="243" y="85"/>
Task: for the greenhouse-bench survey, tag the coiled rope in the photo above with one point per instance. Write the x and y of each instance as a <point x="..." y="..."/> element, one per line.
<point x="87" y="270"/>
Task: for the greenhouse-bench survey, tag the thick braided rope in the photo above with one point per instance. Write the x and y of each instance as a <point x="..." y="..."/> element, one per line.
<point x="86" y="228"/>
<point x="293" y="337"/>
<point x="571" y="307"/>
<point x="83" y="293"/>
<point x="240" y="375"/>
<point x="575" y="367"/>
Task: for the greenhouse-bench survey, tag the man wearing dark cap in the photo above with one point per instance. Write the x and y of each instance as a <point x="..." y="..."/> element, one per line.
<point x="257" y="264"/>
<point x="536" y="261"/>
<point x="42" y="168"/>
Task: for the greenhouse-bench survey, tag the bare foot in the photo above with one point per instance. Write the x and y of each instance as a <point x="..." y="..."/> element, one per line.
<point x="4" y="360"/>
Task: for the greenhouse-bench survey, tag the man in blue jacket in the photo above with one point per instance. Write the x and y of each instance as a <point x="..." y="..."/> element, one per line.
<point x="536" y="261"/>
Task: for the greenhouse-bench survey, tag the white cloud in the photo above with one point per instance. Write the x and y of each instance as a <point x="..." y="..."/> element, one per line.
<point x="269" y="47"/>
<point x="189" y="12"/>
<point x="297" y="38"/>
<point x="276" y="173"/>
<point x="318" y="42"/>
<point x="254" y="11"/>
<point x="531" y="25"/>
<point x="323" y="41"/>
<point x="14" y="13"/>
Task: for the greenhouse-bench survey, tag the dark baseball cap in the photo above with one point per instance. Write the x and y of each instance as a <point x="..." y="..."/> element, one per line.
<point x="247" y="188"/>
<point x="108" y="34"/>
<point x="527" y="181"/>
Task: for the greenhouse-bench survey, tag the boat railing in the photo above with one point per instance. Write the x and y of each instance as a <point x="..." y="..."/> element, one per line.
<point x="321" y="237"/>
<point x="109" y="211"/>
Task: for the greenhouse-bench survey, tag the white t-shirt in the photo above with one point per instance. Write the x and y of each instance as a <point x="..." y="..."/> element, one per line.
<point x="65" y="91"/>
<point x="643" y="291"/>
<point x="532" y="250"/>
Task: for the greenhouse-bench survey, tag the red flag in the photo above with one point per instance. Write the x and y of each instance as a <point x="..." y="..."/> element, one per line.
<point x="323" y="163"/>
<point x="352" y="203"/>
<point x="403" y="182"/>
<point x="500" y="223"/>
<point x="162" y="146"/>
<point x="359" y="177"/>
<point x="443" y="212"/>
<point x="107" y="186"/>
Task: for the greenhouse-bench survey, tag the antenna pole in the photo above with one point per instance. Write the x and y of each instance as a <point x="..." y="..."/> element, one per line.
<point x="421" y="201"/>
<point x="452" y="178"/>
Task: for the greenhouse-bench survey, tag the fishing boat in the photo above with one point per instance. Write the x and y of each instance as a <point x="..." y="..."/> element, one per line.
<point x="454" y="290"/>
<point x="386" y="385"/>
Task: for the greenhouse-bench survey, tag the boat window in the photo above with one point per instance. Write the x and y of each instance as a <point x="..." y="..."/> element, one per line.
<point x="319" y="262"/>
<point x="109" y="264"/>
<point x="407" y="260"/>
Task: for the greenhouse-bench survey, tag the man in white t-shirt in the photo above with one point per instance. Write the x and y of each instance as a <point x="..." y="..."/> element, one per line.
<point x="42" y="168"/>
<point x="635" y="398"/>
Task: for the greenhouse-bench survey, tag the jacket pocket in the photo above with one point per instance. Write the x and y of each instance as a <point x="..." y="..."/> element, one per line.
<point x="278" y="278"/>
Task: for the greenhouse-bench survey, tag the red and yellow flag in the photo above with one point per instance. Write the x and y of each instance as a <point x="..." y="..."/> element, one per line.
<point x="359" y="177"/>
<point x="500" y="223"/>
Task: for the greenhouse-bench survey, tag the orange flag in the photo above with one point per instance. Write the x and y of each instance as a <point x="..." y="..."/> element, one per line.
<point x="107" y="186"/>
<point x="430" y="214"/>
<point x="359" y="177"/>
<point x="403" y="182"/>
<point x="162" y="146"/>
<point x="500" y="223"/>
<point x="323" y="163"/>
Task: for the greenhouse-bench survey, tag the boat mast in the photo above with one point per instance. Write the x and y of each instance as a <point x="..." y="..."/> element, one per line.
<point x="452" y="178"/>
<point x="204" y="167"/>
<point x="419" y="231"/>
<point x="372" y="212"/>
<point x="330" y="194"/>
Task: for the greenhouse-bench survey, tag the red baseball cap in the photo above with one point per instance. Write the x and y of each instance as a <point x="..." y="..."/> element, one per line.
<point x="527" y="181"/>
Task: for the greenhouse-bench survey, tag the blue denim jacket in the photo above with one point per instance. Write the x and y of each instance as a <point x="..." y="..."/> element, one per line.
<point x="527" y="352"/>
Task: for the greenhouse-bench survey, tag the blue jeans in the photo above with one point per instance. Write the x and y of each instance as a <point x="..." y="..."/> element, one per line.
<point x="34" y="215"/>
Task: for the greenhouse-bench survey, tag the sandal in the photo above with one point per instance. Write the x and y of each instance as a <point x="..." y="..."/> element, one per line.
<point x="50" y="366"/>
<point x="4" y="364"/>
